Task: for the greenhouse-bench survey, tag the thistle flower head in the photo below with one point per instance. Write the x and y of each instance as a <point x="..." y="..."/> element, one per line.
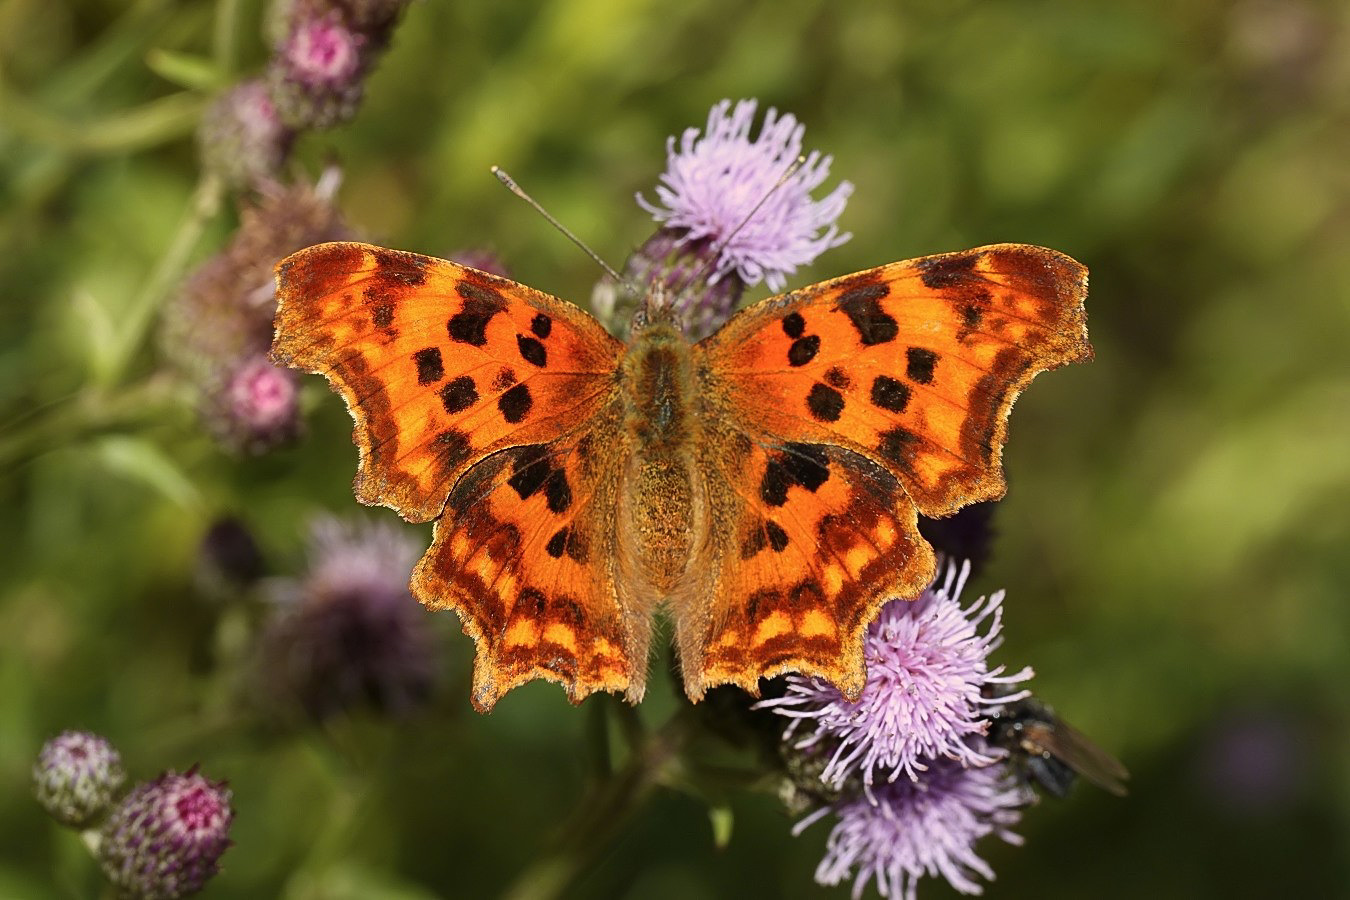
<point x="927" y="665"/>
<point x="218" y="328"/>
<point x="722" y="187"/>
<point x="322" y="50"/>
<point x="255" y="407"/>
<point x="165" y="839"/>
<point x="241" y="137"/>
<point x="317" y="76"/>
<point x="926" y="827"/>
<point x="350" y="631"/>
<point x="76" y="775"/>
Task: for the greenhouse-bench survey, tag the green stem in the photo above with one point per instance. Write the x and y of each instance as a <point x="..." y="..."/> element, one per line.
<point x="86" y="415"/>
<point x="148" y="125"/>
<point x="202" y="207"/>
<point x="602" y="814"/>
<point x="225" y="36"/>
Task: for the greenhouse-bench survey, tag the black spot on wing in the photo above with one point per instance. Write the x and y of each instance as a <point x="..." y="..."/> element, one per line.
<point x="890" y="393"/>
<point x="774" y="484"/>
<point x="529" y="470"/>
<point x="778" y="539"/>
<point x="803" y="350"/>
<point x="459" y="394"/>
<point x="541" y="325"/>
<point x="469" y="325"/>
<point x="515" y="404"/>
<point x="919" y="365"/>
<point x="807" y="464"/>
<point x="532" y="351"/>
<point x="430" y="369"/>
<point x="557" y="544"/>
<point x="873" y="324"/>
<point x="802" y="465"/>
<point x="794" y="326"/>
<point x="825" y="403"/>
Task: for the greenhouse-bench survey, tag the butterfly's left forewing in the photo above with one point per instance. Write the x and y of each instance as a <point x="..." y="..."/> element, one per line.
<point x="525" y="552"/>
<point x="440" y="364"/>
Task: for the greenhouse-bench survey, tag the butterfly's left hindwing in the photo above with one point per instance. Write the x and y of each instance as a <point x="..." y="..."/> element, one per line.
<point x="525" y="554"/>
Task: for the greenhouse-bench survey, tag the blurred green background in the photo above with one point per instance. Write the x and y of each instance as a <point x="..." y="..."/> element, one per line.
<point x="1173" y="543"/>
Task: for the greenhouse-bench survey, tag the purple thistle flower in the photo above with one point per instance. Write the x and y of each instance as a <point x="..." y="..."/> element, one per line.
<point x="317" y="75"/>
<point x="926" y="827"/>
<point x="927" y="664"/>
<point x="217" y="330"/>
<point x="256" y="408"/>
<point x="76" y="775"/>
<point x="241" y="137"/>
<point x="713" y="182"/>
<point x="350" y="631"/>
<point x="165" y="839"/>
<point x="323" y="51"/>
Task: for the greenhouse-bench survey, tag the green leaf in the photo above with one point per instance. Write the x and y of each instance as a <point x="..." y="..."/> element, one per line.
<point x="187" y="70"/>
<point x="721" y="817"/>
<point x="140" y="460"/>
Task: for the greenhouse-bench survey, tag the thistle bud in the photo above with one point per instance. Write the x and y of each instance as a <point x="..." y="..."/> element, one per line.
<point x="166" y="838"/>
<point x="75" y="777"/>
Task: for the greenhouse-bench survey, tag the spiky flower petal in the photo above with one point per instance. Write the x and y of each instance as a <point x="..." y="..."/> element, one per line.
<point x="927" y="666"/>
<point x="927" y="827"/>
<point x="723" y="187"/>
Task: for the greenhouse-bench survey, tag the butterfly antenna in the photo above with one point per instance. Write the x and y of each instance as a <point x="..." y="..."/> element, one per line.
<point x="520" y="192"/>
<point x="725" y="241"/>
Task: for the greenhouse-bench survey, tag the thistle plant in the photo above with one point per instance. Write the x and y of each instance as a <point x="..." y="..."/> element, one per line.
<point x="161" y="840"/>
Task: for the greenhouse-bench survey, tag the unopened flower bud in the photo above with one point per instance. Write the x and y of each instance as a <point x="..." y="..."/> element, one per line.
<point x="75" y="777"/>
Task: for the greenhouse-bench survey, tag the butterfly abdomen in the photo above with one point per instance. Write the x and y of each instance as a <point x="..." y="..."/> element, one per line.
<point x="658" y="517"/>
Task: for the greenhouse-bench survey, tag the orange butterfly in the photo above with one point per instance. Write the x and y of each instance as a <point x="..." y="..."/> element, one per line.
<point x="762" y="484"/>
